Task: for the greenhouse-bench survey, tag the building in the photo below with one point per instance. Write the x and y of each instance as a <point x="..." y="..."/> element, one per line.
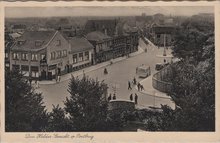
<point x="40" y="54"/>
<point x="81" y="54"/>
<point x="18" y="28"/>
<point x="162" y="34"/>
<point x="106" y="26"/>
<point x="102" y="43"/>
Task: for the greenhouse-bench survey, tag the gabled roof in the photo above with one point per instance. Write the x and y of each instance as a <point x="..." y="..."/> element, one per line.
<point x="97" y="36"/>
<point x="79" y="44"/>
<point x="29" y="39"/>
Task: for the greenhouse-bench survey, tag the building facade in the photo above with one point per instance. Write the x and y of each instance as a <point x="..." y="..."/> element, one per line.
<point x="81" y="53"/>
<point x="40" y="54"/>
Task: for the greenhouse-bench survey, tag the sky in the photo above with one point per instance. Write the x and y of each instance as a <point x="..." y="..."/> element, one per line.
<point x="18" y="12"/>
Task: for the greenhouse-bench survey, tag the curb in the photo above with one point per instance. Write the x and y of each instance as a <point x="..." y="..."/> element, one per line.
<point x="80" y="72"/>
<point x="148" y="93"/>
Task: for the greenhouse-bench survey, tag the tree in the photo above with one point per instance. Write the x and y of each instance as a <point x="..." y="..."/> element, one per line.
<point x="58" y="121"/>
<point x="87" y="105"/>
<point x="24" y="110"/>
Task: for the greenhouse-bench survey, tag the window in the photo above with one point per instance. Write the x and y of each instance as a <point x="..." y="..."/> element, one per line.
<point x="34" y="57"/>
<point x="58" y="54"/>
<point x="64" y="53"/>
<point x="58" y="42"/>
<point x="34" y="74"/>
<point x="25" y="70"/>
<point x="86" y="56"/>
<point x="75" y="58"/>
<point x="6" y="55"/>
<point x="15" y="67"/>
<point x="43" y="57"/>
<point x="24" y="56"/>
<point x="52" y="55"/>
<point x="34" y="71"/>
<point x="15" y="56"/>
<point x="80" y="57"/>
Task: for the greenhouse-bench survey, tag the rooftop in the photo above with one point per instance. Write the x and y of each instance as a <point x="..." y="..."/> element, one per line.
<point x="97" y="36"/>
<point x="33" y="40"/>
<point x="80" y="44"/>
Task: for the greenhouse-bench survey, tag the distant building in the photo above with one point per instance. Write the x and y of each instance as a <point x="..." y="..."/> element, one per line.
<point x="106" y="26"/>
<point x="18" y="28"/>
<point x="40" y="54"/>
<point x="102" y="43"/>
<point x="161" y="34"/>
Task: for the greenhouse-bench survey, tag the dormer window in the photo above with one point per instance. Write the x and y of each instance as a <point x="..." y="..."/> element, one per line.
<point x="58" y="42"/>
<point x="21" y="42"/>
<point x="38" y="43"/>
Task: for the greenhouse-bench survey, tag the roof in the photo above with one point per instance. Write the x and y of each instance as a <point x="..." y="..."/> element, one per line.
<point x="30" y="38"/>
<point x="97" y="36"/>
<point x="80" y="44"/>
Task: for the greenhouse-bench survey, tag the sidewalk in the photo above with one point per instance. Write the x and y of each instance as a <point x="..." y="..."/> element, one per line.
<point x="149" y="90"/>
<point x="91" y="68"/>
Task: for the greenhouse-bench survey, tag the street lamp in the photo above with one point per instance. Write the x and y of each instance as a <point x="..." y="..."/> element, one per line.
<point x="164" y="44"/>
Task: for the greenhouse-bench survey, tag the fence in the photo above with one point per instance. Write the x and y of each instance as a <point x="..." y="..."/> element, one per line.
<point x="159" y="80"/>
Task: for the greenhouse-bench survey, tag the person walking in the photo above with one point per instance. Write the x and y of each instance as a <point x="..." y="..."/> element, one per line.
<point x="138" y="86"/>
<point x="142" y="87"/>
<point x="136" y="98"/>
<point x="114" y="97"/>
<point x="131" y="97"/>
<point x="37" y="84"/>
<point x="134" y="81"/>
<point x="129" y="85"/>
<point x="30" y="80"/>
<point x="110" y="97"/>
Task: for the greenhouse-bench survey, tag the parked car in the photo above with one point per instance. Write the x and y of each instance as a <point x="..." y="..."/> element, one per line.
<point x="159" y="66"/>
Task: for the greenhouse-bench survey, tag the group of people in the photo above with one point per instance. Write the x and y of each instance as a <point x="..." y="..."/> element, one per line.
<point x="135" y="98"/>
<point x="139" y="86"/>
<point x="30" y="79"/>
<point x="111" y="98"/>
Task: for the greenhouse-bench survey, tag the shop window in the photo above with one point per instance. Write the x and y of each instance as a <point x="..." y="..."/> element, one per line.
<point x="75" y="58"/>
<point x="86" y="56"/>
<point x="80" y="57"/>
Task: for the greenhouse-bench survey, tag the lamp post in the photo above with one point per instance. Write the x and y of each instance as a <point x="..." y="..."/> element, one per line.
<point x="164" y="44"/>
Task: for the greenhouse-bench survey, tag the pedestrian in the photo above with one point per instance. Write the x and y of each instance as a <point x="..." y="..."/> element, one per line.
<point x="138" y="86"/>
<point x="110" y="97"/>
<point x="30" y="80"/>
<point x="136" y="98"/>
<point x="164" y="61"/>
<point x="58" y="78"/>
<point x="131" y="97"/>
<point x="142" y="87"/>
<point x="134" y="81"/>
<point x="129" y="85"/>
<point x="136" y="70"/>
<point x="36" y="84"/>
<point x="105" y="71"/>
<point x="114" y="97"/>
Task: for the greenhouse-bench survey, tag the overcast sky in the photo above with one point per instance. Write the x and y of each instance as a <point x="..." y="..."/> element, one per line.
<point x="104" y="11"/>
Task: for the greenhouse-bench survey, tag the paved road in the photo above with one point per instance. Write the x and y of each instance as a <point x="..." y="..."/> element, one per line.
<point x="118" y="76"/>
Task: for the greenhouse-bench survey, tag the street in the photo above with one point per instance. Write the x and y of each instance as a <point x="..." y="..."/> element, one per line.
<point x="117" y="79"/>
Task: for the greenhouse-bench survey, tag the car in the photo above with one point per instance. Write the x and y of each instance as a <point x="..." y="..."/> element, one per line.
<point x="143" y="71"/>
<point x="159" y="66"/>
